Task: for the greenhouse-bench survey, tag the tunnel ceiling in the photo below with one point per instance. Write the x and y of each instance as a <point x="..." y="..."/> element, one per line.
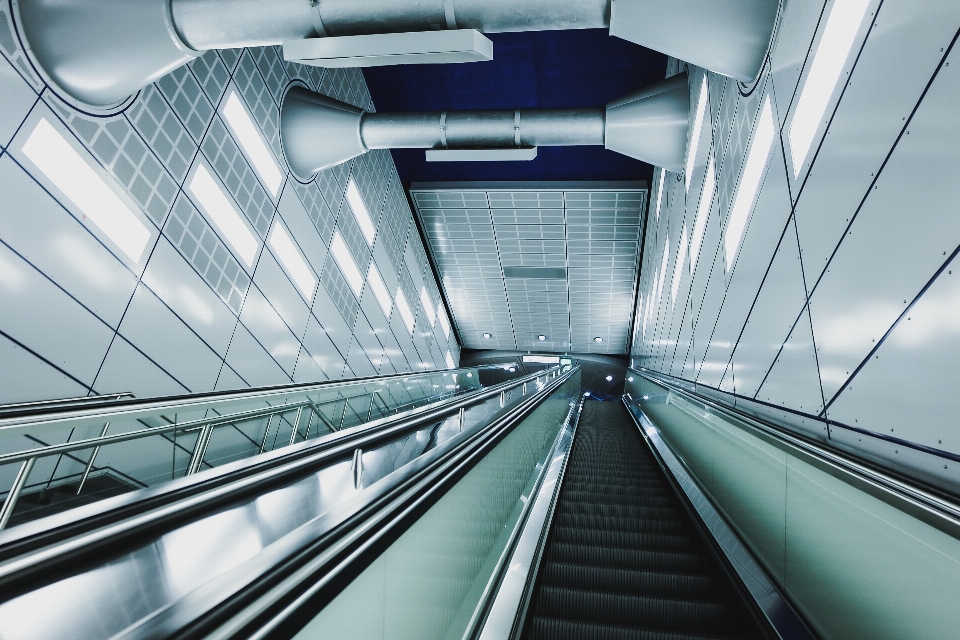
<point x="594" y="296"/>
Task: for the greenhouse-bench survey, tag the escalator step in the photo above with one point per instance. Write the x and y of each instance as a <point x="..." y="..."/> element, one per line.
<point x="623" y="560"/>
<point x="695" y="586"/>
<point x="633" y="611"/>
<point x="558" y="629"/>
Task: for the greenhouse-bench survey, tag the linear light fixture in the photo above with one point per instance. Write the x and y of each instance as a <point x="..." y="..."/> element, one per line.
<point x="449" y="360"/>
<point x="749" y="181"/>
<point x="444" y="322"/>
<point x="425" y="301"/>
<point x="347" y="266"/>
<point x="355" y="200"/>
<point x="663" y="176"/>
<point x="67" y="169"/>
<point x="289" y="256"/>
<point x="379" y="290"/>
<point x="697" y="127"/>
<point x="542" y="359"/>
<point x="703" y="213"/>
<point x="663" y="267"/>
<point x="404" y="310"/>
<point x="678" y="267"/>
<point x="217" y="205"/>
<point x="828" y="62"/>
<point x="252" y="142"/>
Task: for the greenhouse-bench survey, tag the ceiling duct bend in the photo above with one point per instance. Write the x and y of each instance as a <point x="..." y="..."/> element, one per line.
<point x="318" y="132"/>
<point x="99" y="52"/>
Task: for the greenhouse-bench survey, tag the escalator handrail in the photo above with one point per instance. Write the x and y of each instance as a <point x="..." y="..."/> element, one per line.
<point x="257" y="598"/>
<point x="41" y="415"/>
<point x="29" y="550"/>
<point x="925" y="505"/>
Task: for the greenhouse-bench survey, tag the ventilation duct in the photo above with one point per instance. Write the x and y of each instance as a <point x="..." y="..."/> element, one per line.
<point x="318" y="132"/>
<point x="99" y="52"/>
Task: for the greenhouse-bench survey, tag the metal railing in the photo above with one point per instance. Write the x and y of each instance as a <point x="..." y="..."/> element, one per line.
<point x="300" y="416"/>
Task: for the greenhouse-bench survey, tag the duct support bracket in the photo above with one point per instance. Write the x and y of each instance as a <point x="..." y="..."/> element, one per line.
<point x="481" y="155"/>
<point x="426" y="47"/>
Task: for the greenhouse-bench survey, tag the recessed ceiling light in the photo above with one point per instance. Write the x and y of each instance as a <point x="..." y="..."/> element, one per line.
<point x="58" y="160"/>
<point x="541" y="337"/>
<point x="630" y="379"/>
<point x="824" y="75"/>
<point x="598" y="339"/>
<point x="487" y="335"/>
<point x="609" y="378"/>
<point x="404" y="310"/>
<point x="286" y="251"/>
<point x="255" y="149"/>
<point x="360" y="212"/>
<point x="586" y="393"/>
<point x="220" y="208"/>
<point x="347" y="266"/>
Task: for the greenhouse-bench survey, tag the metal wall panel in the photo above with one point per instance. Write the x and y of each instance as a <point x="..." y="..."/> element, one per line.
<point x="147" y="155"/>
<point x="865" y="288"/>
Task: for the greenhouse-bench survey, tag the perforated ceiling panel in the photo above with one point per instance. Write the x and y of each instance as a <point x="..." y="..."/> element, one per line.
<point x="521" y="260"/>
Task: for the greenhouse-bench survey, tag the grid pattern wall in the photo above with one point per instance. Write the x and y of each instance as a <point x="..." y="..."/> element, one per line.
<point x="78" y="316"/>
<point x="835" y="293"/>
<point x="520" y="263"/>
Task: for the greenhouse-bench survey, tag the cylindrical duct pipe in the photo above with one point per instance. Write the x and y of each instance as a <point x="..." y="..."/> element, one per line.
<point x="100" y="51"/>
<point x="318" y="132"/>
<point x="483" y="129"/>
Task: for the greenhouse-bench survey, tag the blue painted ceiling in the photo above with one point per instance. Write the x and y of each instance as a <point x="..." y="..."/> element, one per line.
<point x="544" y="69"/>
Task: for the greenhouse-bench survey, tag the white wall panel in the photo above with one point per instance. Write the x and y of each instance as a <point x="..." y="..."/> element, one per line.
<point x="259" y="316"/>
<point x="794" y="381"/>
<point x="307" y="369"/>
<point x="285" y="298"/>
<point x="779" y="301"/>
<point x="709" y="369"/>
<point x="149" y="380"/>
<point x="57" y="244"/>
<point x="865" y="287"/>
<point x="367" y="338"/>
<point x="40" y="315"/>
<point x="325" y="311"/>
<point x="322" y="350"/>
<point x="176" y="283"/>
<point x="229" y="379"/>
<point x="16" y="99"/>
<point x="760" y="240"/>
<point x="23" y="376"/>
<point x="162" y="336"/>
<point x="916" y="366"/>
<point x="897" y="62"/>
<point x="358" y="362"/>
<point x="252" y="363"/>
<point x="302" y="229"/>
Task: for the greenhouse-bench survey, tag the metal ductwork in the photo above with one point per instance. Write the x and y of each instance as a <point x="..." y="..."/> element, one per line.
<point x="318" y="132"/>
<point x="99" y="52"/>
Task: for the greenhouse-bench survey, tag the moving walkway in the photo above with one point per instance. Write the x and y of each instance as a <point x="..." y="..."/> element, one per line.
<point x="517" y="508"/>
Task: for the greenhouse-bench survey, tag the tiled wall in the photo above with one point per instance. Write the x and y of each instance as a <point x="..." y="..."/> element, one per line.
<point x="79" y="316"/>
<point x="840" y="300"/>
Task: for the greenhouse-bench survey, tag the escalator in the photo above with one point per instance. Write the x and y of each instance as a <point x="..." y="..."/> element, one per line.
<point x="623" y="558"/>
<point x="520" y="509"/>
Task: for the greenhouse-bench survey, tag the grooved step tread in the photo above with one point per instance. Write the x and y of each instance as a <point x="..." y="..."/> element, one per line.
<point x="623" y="560"/>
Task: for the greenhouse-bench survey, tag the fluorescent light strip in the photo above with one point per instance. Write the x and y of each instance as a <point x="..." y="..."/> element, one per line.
<point x="379" y="290"/>
<point x="828" y="62"/>
<point x="697" y="127"/>
<point x="218" y="206"/>
<point x="347" y="266"/>
<point x="65" y="167"/>
<point x="749" y="181"/>
<point x="663" y="176"/>
<point x="404" y="310"/>
<point x="254" y="147"/>
<point x="449" y="359"/>
<point x="425" y="301"/>
<point x="542" y="359"/>
<point x="703" y="213"/>
<point x="678" y="267"/>
<point x="360" y="211"/>
<point x="289" y="256"/>
<point x="444" y="323"/>
<point x="663" y="267"/>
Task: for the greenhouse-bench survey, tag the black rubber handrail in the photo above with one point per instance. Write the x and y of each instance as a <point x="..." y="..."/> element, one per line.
<point x="277" y="591"/>
<point x="40" y="551"/>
